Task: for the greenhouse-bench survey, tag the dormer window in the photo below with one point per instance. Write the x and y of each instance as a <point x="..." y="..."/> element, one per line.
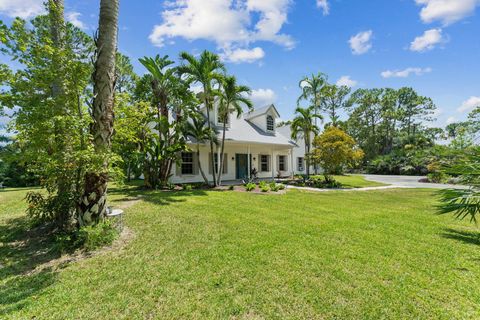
<point x="270" y="123"/>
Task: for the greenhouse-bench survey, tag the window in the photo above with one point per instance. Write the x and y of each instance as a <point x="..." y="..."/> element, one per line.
<point x="187" y="163"/>
<point x="264" y="163"/>
<point x="300" y="164"/>
<point x="270" y="123"/>
<point x="282" y="163"/>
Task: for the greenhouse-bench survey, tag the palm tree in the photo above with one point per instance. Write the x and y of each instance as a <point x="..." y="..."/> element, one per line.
<point x="312" y="91"/>
<point x="199" y="131"/>
<point x="165" y="86"/>
<point x="206" y="71"/>
<point x="303" y="125"/>
<point x="231" y="97"/>
<point x="93" y="204"/>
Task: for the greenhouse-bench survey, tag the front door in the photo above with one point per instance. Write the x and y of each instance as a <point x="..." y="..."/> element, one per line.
<point x="241" y="165"/>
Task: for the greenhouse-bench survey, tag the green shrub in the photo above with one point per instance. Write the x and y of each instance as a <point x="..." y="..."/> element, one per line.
<point x="265" y="188"/>
<point x="187" y="187"/>
<point x="170" y="186"/>
<point x="87" y="238"/>
<point x="437" y="177"/>
<point x="281" y="186"/>
<point x="93" y="237"/>
<point x="231" y="188"/>
<point x="274" y="187"/>
<point x="262" y="184"/>
<point x="250" y="186"/>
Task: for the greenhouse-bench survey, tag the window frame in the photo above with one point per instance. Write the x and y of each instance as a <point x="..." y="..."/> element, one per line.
<point x="272" y="124"/>
<point x="302" y="160"/>
<point x="266" y="162"/>
<point x="188" y="163"/>
<point x="282" y="159"/>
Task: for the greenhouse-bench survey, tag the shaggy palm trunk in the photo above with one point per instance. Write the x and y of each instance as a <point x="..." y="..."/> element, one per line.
<point x="94" y="201"/>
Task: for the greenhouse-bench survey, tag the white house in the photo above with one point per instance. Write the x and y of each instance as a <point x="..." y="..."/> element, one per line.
<point x="252" y="142"/>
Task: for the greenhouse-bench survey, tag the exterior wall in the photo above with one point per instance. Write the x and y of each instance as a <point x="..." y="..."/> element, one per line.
<point x="298" y="151"/>
<point x="231" y="150"/>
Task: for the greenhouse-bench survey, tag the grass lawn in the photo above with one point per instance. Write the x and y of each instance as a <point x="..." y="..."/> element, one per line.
<point x="352" y="181"/>
<point x="231" y="255"/>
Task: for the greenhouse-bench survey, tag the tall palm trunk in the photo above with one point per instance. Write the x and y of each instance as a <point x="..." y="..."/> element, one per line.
<point x="316" y="125"/>
<point x="94" y="201"/>
<point x="207" y="105"/>
<point x="222" y="149"/>
<point x="200" y="165"/>
<point x="307" y="156"/>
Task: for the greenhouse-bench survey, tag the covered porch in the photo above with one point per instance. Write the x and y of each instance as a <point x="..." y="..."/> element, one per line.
<point x="241" y="161"/>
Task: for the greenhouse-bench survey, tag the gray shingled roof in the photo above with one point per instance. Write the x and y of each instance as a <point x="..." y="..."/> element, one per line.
<point x="242" y="130"/>
<point x="261" y="111"/>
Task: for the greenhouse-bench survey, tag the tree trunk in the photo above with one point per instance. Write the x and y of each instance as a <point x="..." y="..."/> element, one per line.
<point x="220" y="168"/>
<point x="207" y="105"/>
<point x="200" y="165"/>
<point x="307" y="157"/>
<point x="93" y="204"/>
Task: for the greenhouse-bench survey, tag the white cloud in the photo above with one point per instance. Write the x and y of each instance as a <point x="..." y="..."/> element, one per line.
<point x="232" y="25"/>
<point x="446" y="11"/>
<point x="361" y="43"/>
<point x="451" y="120"/>
<point x="405" y="73"/>
<point x="262" y="97"/>
<point x="469" y="104"/>
<point x="347" y="81"/>
<point x="74" y="18"/>
<point x="21" y="8"/>
<point x="427" y="41"/>
<point x="243" y="55"/>
<point x="324" y="5"/>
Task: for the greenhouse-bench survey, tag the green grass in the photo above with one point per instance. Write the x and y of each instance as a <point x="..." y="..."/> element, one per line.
<point x="353" y="181"/>
<point x="230" y="255"/>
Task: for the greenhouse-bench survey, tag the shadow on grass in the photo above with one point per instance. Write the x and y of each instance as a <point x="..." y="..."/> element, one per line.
<point x="21" y="252"/>
<point x="158" y="197"/>
<point x="469" y="237"/>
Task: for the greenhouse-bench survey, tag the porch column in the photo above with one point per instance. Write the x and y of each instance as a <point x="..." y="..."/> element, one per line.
<point x="248" y="162"/>
<point x="293" y="163"/>
<point x="272" y="167"/>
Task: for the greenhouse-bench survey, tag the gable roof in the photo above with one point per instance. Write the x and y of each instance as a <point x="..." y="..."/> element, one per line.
<point x="242" y="130"/>
<point x="261" y="111"/>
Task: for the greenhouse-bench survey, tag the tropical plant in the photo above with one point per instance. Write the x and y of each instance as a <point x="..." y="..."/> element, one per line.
<point x="334" y="150"/>
<point x="302" y="126"/>
<point x="231" y="97"/>
<point x="464" y="203"/>
<point x="312" y="91"/>
<point x="198" y="130"/>
<point x="206" y="70"/>
<point x="169" y="92"/>
<point x="250" y="186"/>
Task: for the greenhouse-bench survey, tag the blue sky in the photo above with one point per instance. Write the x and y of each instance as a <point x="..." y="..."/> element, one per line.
<point x="431" y="45"/>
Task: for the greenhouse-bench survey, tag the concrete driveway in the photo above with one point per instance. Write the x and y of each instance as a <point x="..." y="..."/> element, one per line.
<point x="409" y="182"/>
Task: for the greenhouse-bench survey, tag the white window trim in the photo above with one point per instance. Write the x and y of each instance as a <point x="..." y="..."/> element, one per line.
<point x="273" y="120"/>
<point x="300" y="168"/>
<point x="193" y="166"/>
